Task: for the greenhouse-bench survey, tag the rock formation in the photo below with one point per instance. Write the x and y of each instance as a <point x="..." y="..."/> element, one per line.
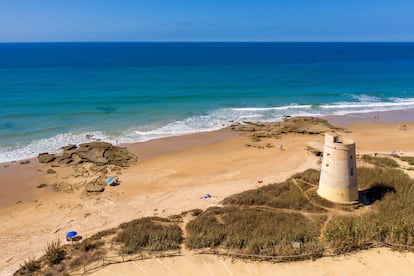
<point x="301" y="125"/>
<point x="90" y="161"/>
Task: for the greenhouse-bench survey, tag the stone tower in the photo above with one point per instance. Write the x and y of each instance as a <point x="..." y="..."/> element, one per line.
<point x="338" y="181"/>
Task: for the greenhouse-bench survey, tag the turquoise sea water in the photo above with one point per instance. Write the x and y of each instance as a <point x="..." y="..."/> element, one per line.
<point x="53" y="94"/>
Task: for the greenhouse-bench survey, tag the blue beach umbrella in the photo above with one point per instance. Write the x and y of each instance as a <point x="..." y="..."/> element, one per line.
<point x="110" y="180"/>
<point x="71" y="234"/>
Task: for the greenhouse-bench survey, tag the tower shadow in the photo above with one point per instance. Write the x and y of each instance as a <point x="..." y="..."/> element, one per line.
<point x="375" y="193"/>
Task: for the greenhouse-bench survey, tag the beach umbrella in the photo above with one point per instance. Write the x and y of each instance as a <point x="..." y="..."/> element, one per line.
<point x="110" y="180"/>
<point x="71" y="234"/>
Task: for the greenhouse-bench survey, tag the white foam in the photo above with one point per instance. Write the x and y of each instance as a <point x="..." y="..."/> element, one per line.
<point x="51" y="145"/>
<point x="285" y="107"/>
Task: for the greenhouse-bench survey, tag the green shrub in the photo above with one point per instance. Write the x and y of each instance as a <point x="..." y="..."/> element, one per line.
<point x="54" y="254"/>
<point x="29" y="267"/>
<point x="396" y="179"/>
<point x="281" y="195"/>
<point x="196" y="212"/>
<point x="380" y="161"/>
<point x="89" y="245"/>
<point x="152" y="234"/>
<point x="408" y="159"/>
<point x="102" y="234"/>
<point x="392" y="223"/>
<point x="344" y="234"/>
<point x="205" y="230"/>
<point x="310" y="176"/>
<point x="254" y="231"/>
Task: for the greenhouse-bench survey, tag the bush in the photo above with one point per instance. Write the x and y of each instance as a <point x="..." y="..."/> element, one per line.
<point x="380" y="161"/>
<point x="344" y="234"/>
<point x="408" y="159"/>
<point x="53" y="253"/>
<point x="254" y="231"/>
<point x="281" y="195"/>
<point x="196" y="212"/>
<point x="28" y="267"/>
<point x="102" y="234"/>
<point x="396" y="179"/>
<point x="152" y="234"/>
<point x="392" y="223"/>
<point x="89" y="245"/>
<point x="311" y="176"/>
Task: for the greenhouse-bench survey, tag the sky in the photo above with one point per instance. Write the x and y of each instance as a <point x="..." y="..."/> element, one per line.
<point x="206" y="20"/>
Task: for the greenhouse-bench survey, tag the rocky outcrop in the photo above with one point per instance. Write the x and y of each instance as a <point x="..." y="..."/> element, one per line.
<point x="301" y="125"/>
<point x="97" y="153"/>
<point x="46" y="157"/>
<point x="94" y="188"/>
<point x="91" y="164"/>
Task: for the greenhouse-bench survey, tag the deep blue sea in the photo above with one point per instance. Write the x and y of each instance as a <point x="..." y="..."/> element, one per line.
<point x="54" y="94"/>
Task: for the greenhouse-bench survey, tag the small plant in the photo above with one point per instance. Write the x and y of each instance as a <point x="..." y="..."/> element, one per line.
<point x="89" y="245"/>
<point x="196" y="212"/>
<point x="28" y="267"/>
<point x="53" y="253"/>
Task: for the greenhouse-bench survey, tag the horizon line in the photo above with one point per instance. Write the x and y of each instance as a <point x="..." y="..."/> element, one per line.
<point x="207" y="41"/>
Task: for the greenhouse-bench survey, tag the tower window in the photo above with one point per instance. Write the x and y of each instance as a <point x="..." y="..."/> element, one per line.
<point x="352" y="172"/>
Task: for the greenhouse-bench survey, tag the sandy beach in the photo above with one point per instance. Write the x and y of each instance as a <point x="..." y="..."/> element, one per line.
<point x="170" y="176"/>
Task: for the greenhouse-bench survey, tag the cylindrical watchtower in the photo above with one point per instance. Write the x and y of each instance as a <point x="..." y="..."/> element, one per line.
<point x="338" y="181"/>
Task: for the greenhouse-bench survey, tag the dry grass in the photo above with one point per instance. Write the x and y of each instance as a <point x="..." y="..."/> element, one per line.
<point x="285" y="195"/>
<point x="54" y="254"/>
<point x="408" y="159"/>
<point x="384" y="162"/>
<point x="149" y="234"/>
<point x="29" y="267"/>
<point x="253" y="231"/>
<point x="392" y="193"/>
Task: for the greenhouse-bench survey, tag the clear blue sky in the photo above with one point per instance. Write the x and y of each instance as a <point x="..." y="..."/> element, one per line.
<point x="206" y="20"/>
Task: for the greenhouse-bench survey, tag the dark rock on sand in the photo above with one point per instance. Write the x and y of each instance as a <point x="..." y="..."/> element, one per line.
<point x="41" y="185"/>
<point x="62" y="187"/>
<point x="94" y="188"/>
<point x="50" y="171"/>
<point x="95" y="159"/>
<point x="98" y="153"/>
<point x="46" y="157"/>
<point x="301" y="125"/>
<point x="25" y="162"/>
<point x="69" y="147"/>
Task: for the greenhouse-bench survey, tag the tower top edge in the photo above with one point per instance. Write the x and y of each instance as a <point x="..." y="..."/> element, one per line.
<point x="337" y="139"/>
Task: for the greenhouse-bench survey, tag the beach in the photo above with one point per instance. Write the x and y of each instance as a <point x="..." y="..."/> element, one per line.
<point x="170" y="176"/>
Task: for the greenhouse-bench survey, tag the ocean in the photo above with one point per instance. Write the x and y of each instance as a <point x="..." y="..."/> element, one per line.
<point x="55" y="94"/>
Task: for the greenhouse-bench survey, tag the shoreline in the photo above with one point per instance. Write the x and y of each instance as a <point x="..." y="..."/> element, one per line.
<point x="401" y="116"/>
<point x="389" y="116"/>
<point x="170" y="176"/>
